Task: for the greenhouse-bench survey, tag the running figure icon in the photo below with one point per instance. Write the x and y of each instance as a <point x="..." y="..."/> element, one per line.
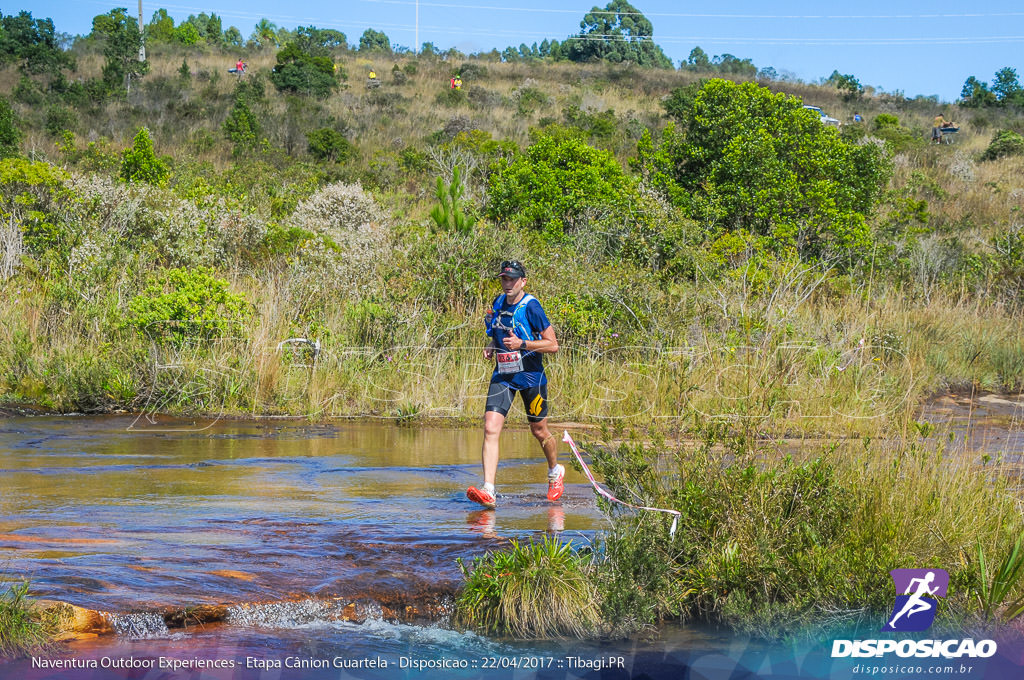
<point x="915" y="603"/>
<point x="917" y="600"/>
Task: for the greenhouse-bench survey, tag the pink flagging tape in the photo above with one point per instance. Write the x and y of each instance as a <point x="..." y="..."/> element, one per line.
<point x="586" y="470"/>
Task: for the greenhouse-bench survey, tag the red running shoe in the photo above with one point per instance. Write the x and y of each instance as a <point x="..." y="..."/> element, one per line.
<point x="482" y="497"/>
<point x="555" y="485"/>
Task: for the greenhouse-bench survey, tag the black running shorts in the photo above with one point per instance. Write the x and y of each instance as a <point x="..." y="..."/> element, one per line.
<point x="535" y="400"/>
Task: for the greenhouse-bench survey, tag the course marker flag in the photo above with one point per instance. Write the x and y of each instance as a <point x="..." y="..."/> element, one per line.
<point x="586" y="470"/>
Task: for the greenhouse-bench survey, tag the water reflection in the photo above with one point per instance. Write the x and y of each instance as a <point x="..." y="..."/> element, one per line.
<point x="116" y="519"/>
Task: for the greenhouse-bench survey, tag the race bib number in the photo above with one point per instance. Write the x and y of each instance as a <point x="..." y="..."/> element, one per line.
<point x="509" y="362"/>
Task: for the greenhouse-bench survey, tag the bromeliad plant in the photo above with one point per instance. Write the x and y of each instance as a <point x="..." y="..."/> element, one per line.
<point x="997" y="594"/>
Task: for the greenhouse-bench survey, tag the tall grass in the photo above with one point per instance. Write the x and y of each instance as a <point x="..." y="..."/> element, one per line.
<point x="396" y="304"/>
<point x="779" y="544"/>
<point x="533" y="590"/>
<point x="22" y="629"/>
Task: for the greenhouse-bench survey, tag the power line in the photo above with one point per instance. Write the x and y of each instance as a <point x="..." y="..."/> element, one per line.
<point x="523" y="36"/>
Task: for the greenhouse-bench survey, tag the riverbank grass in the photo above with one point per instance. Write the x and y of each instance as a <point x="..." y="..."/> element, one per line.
<point x="532" y="590"/>
<point x="776" y="544"/>
<point x="23" y="630"/>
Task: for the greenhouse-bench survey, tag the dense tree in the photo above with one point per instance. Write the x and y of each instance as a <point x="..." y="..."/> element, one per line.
<point x="374" y="41"/>
<point x="300" y="72"/>
<point x="1006" y="85"/>
<point x="187" y="34"/>
<point x="242" y="127"/>
<point x="32" y="44"/>
<point x="558" y="184"/>
<point x="121" y="42"/>
<point x="728" y="64"/>
<point x="745" y="158"/>
<point x="265" y="33"/>
<point x="975" y="94"/>
<point x="310" y="38"/>
<point x="619" y="33"/>
<point x="209" y="27"/>
<point x="848" y="85"/>
<point x="1006" y="90"/>
<point x="233" y="37"/>
<point x="698" y="60"/>
<point x="160" y="28"/>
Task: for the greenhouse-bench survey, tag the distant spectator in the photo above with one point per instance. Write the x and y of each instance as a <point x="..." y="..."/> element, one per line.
<point x="937" y="125"/>
<point x="857" y="118"/>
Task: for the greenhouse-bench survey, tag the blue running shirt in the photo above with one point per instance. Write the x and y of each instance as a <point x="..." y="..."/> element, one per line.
<point x="532" y="374"/>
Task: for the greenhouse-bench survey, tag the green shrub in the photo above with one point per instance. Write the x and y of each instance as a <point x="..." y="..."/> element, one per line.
<point x="451" y="98"/>
<point x="140" y="164"/>
<point x="31" y="192"/>
<point x="10" y="135"/>
<point x="558" y="185"/>
<point x="187" y="303"/>
<point x="330" y="145"/>
<point x="448" y="214"/>
<point x="536" y="590"/>
<point x="746" y="157"/>
<point x="300" y="72"/>
<point x="773" y="545"/>
<point x="1004" y="143"/>
<point x="885" y="121"/>
<point x="529" y="99"/>
<point x="242" y="127"/>
<point x="60" y="118"/>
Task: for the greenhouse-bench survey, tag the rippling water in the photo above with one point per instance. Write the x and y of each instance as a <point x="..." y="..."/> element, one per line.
<point x="284" y="521"/>
<point x="114" y="514"/>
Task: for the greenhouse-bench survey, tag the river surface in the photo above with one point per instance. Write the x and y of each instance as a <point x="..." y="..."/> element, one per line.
<point x="279" y="519"/>
<point x="282" y="522"/>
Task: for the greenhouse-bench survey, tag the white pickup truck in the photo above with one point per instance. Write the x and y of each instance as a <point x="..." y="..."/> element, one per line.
<point x="825" y="118"/>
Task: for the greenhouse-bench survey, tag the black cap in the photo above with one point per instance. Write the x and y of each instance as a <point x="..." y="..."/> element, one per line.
<point x="513" y="269"/>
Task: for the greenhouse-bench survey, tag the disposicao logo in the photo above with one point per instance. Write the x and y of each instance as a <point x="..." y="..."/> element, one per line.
<point x="915" y="609"/>
<point x="917" y="593"/>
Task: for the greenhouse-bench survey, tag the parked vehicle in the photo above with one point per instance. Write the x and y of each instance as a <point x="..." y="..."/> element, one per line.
<point x="825" y="118"/>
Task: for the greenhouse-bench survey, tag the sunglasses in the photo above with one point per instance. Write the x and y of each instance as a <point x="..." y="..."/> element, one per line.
<point x="512" y="263"/>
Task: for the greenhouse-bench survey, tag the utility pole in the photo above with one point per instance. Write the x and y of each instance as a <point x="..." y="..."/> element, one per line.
<point x="142" y="39"/>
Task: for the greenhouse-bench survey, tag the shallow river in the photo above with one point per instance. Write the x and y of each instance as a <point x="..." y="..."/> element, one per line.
<point x="280" y="519"/>
<point x="283" y="522"/>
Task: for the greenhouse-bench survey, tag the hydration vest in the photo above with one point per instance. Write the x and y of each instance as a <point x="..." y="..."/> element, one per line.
<point x="513" y="321"/>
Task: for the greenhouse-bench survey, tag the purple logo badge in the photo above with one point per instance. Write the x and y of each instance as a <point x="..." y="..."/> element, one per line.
<point x="917" y="591"/>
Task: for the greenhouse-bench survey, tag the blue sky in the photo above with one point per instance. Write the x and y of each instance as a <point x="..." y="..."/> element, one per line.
<point x="916" y="47"/>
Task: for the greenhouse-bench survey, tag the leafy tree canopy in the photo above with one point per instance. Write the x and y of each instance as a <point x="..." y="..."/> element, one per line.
<point x="10" y="135"/>
<point x="31" y="44"/>
<point x="619" y="33"/>
<point x="121" y="42"/>
<point x="161" y="27"/>
<point x="312" y="39"/>
<point x="745" y="158"/>
<point x="558" y="184"/>
<point x="139" y="162"/>
<point x="300" y="72"/>
<point x="374" y="41"/>
<point x="1006" y="90"/>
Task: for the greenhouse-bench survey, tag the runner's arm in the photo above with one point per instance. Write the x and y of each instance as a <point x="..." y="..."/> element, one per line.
<point x="547" y="344"/>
